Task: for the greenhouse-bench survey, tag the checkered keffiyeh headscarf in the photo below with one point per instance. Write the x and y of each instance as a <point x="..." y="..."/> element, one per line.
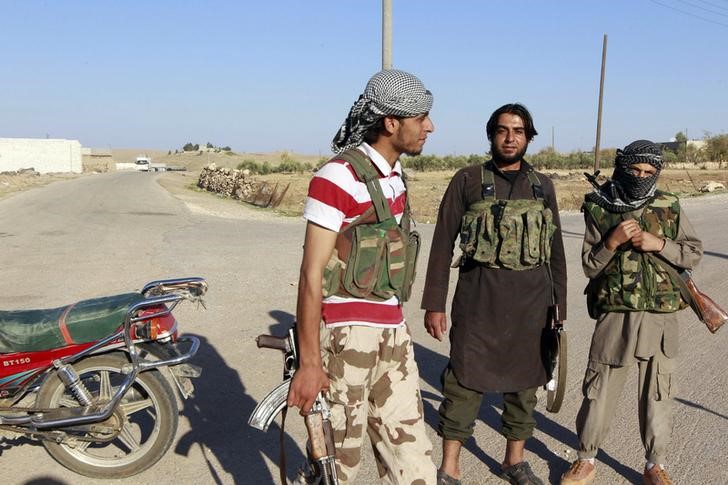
<point x="389" y="92"/>
<point x="627" y="192"/>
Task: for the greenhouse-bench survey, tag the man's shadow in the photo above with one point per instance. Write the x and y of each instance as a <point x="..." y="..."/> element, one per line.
<point x="218" y="414"/>
<point x="431" y="365"/>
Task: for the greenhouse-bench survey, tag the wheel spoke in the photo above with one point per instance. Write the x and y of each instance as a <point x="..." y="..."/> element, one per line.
<point x="67" y="402"/>
<point x="132" y="407"/>
<point x="127" y="437"/>
<point x="105" y="390"/>
<point x="81" y="446"/>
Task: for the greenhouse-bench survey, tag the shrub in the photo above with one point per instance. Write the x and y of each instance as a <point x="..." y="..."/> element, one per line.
<point x="717" y="147"/>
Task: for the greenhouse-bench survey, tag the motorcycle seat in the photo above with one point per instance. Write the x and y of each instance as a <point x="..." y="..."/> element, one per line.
<point x="81" y="322"/>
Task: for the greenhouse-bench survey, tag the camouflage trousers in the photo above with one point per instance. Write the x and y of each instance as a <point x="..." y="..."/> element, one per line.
<point x="374" y="386"/>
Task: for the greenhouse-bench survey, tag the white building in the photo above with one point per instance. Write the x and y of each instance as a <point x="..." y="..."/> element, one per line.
<point x="43" y="155"/>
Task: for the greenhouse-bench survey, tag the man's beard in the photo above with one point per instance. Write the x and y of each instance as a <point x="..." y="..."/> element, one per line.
<point x="413" y="152"/>
<point x="501" y="159"/>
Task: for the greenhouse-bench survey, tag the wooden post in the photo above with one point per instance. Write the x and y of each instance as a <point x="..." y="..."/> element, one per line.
<point x="601" y="97"/>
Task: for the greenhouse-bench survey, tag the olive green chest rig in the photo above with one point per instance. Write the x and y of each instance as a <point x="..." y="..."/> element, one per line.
<point x="631" y="281"/>
<point x="503" y="233"/>
<point x="374" y="257"/>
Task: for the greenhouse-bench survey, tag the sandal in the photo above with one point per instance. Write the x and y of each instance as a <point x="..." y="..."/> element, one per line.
<point x="520" y="474"/>
<point x="445" y="479"/>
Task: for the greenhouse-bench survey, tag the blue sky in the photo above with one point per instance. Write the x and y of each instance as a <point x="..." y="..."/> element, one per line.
<point x="281" y="75"/>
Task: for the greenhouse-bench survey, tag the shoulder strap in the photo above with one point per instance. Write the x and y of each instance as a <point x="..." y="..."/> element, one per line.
<point x="406" y="218"/>
<point x="488" y="190"/>
<point x="535" y="184"/>
<point x="368" y="174"/>
<point x="488" y="180"/>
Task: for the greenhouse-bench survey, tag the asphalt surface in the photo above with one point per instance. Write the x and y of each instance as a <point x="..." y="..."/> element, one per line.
<point x="112" y="233"/>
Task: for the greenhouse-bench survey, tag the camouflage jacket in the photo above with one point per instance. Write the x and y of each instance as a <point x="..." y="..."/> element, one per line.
<point x="631" y="281"/>
<point x="621" y="338"/>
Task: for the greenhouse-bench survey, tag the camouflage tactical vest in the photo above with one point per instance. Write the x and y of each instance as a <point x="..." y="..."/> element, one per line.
<point x="631" y="281"/>
<point x="374" y="257"/>
<point x="503" y="233"/>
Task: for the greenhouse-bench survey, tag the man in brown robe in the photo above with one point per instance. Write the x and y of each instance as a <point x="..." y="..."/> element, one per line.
<point x="498" y="314"/>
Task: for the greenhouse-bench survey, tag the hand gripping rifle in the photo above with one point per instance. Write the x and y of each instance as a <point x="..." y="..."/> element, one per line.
<point x="320" y="446"/>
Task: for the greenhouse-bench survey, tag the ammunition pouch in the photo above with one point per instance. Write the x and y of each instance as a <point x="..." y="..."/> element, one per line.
<point x="374" y="258"/>
<point x="510" y="234"/>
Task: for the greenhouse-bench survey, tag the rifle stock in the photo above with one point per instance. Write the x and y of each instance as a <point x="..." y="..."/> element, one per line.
<point x="267" y="409"/>
<point x="322" y="453"/>
<point x="704" y="307"/>
<point x="707" y="310"/>
<point x="321" y="441"/>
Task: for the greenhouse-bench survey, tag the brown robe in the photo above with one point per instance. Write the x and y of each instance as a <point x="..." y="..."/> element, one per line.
<point x="498" y="315"/>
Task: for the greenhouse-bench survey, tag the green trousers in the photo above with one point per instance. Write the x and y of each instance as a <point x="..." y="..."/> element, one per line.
<point x="460" y="407"/>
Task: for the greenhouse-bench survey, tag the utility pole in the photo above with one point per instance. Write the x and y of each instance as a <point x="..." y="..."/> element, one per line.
<point x="601" y="97"/>
<point x="386" y="34"/>
<point x="553" y="146"/>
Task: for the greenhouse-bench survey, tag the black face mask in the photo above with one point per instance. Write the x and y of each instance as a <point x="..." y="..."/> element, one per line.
<point x="631" y="186"/>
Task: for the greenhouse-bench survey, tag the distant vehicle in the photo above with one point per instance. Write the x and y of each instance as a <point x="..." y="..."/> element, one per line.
<point x="144" y="164"/>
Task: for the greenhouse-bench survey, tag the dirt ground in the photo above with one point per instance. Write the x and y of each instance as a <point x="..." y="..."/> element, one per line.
<point x="428" y="187"/>
<point x="16" y="182"/>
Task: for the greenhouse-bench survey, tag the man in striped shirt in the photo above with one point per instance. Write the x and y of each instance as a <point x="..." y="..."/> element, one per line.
<point x="361" y="355"/>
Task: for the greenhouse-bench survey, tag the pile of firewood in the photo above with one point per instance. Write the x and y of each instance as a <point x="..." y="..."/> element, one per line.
<point x="228" y="182"/>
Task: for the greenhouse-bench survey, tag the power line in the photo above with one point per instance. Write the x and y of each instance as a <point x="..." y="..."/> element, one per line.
<point x="703" y="8"/>
<point x="713" y="4"/>
<point x="689" y="13"/>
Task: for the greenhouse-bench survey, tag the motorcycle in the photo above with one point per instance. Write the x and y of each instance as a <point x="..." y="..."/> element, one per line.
<point x="94" y="380"/>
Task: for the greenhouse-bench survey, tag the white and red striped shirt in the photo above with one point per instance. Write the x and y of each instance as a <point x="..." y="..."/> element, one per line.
<point x="336" y="197"/>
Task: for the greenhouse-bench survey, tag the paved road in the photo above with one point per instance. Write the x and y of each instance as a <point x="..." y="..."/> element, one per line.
<point x="111" y="233"/>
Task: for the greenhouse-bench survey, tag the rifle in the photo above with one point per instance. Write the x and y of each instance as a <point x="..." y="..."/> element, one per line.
<point x="320" y="447"/>
<point x="704" y="307"/>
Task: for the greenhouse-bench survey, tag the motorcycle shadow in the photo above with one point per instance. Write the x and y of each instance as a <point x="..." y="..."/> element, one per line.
<point x="218" y="416"/>
<point x="7" y="443"/>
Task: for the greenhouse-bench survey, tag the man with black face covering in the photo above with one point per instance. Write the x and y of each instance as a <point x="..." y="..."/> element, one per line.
<point x="511" y="271"/>
<point x="629" y="224"/>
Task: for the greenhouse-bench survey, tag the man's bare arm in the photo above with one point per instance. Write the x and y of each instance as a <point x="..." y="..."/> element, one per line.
<point x="310" y="378"/>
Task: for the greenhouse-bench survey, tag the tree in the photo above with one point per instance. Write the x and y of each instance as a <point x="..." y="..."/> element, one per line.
<point x="717" y="147"/>
<point x="209" y="145"/>
<point x="189" y="147"/>
<point x="680" y="137"/>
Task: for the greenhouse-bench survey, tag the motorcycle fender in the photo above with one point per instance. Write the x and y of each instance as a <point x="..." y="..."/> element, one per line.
<point x="181" y="374"/>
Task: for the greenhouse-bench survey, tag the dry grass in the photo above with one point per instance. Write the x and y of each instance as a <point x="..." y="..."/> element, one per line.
<point x="12" y="183"/>
<point x="427" y="188"/>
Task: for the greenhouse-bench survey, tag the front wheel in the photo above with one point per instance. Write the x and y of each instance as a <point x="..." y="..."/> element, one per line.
<point x="145" y="420"/>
